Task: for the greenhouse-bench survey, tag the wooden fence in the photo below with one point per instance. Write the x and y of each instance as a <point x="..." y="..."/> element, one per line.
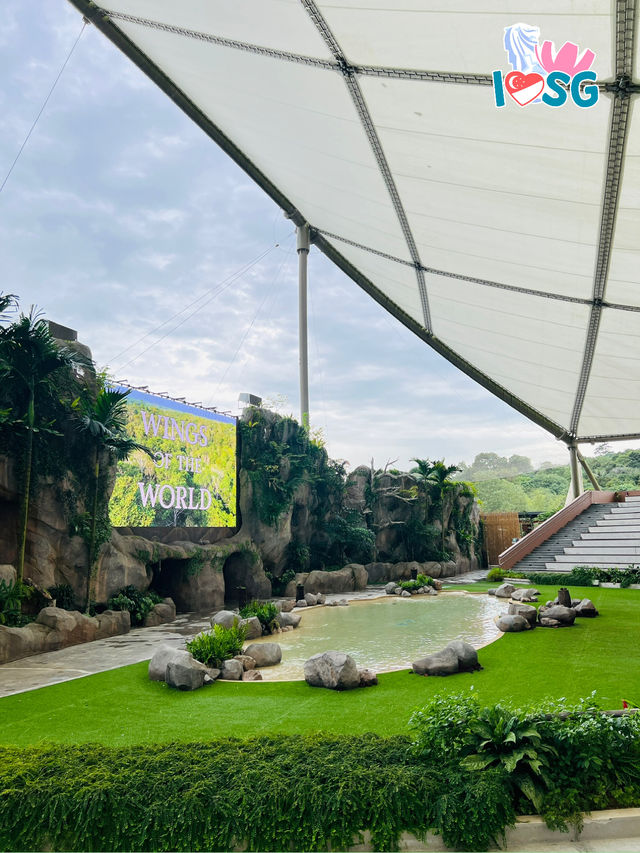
<point x="500" y="529"/>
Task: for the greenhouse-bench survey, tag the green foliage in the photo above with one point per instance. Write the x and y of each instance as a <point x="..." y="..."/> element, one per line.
<point x="213" y="647"/>
<point x="422" y="541"/>
<point x="266" y="612"/>
<point x="420" y="581"/>
<point x="193" y="566"/>
<point x="235" y="793"/>
<point x="137" y="602"/>
<point x="350" y="541"/>
<point x="298" y="557"/>
<point x="12" y="594"/>
<point x="64" y="597"/>
<point x="279" y="584"/>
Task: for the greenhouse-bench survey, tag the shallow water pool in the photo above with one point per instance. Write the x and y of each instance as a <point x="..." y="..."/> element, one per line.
<point x="386" y="633"/>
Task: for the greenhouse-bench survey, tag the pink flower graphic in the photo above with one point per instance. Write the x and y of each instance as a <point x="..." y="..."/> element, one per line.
<point x="566" y="59"/>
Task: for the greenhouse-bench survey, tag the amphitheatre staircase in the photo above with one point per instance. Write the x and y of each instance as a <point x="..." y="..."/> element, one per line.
<point x="595" y="530"/>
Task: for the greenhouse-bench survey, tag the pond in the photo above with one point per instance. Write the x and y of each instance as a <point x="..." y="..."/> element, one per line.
<point x="386" y="633"/>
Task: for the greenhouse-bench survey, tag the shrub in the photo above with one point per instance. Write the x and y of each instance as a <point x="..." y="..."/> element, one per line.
<point x="266" y="612"/>
<point x="420" y="581"/>
<point x="213" y="647"/>
<point x="138" y="603"/>
<point x="63" y="594"/>
<point x="12" y="595"/>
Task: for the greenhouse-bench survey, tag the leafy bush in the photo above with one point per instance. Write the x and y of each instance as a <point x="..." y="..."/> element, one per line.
<point x="279" y="585"/>
<point x="213" y="647"/>
<point x="266" y="612"/>
<point x="238" y="793"/>
<point x="63" y="594"/>
<point x="420" y="581"/>
<point x="138" y="603"/>
<point x="12" y="595"/>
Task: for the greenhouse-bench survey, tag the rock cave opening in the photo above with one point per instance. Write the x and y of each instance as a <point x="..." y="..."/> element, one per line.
<point x="239" y="580"/>
<point x="168" y="581"/>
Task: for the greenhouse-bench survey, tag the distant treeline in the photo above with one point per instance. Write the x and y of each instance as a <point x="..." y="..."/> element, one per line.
<point x="500" y="488"/>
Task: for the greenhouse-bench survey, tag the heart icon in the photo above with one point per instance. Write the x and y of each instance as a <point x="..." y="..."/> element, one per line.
<point x="524" y="88"/>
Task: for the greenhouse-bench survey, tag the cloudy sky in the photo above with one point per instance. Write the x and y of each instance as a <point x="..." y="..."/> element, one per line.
<point x="122" y="220"/>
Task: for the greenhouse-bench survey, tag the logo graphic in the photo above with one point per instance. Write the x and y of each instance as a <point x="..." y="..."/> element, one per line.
<point x="542" y="74"/>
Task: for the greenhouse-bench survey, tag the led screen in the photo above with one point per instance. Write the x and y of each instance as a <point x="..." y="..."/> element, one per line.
<point x="190" y="481"/>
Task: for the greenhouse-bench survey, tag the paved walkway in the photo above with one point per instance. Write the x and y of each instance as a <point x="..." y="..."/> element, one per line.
<point x="88" y="658"/>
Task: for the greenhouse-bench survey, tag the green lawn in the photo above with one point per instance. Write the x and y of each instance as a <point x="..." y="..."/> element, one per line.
<point x="123" y="707"/>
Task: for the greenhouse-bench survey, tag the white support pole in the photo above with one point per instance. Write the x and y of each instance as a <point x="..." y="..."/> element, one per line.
<point x="303" y="254"/>
<point x="576" y="472"/>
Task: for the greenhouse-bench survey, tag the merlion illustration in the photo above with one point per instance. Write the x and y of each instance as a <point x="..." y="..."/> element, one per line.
<point x="521" y="44"/>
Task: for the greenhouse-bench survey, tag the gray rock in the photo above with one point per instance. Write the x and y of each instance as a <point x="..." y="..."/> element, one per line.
<point x="301" y="603"/>
<point x="586" y="608"/>
<point x="287" y="605"/>
<point x="264" y="654"/>
<point x="491" y="592"/>
<point x="564" y="597"/>
<point x="334" y="670"/>
<point x="405" y="593"/>
<point x="159" y="661"/>
<point x="184" y="673"/>
<point x="343" y="602"/>
<point x="113" y="622"/>
<point x="575" y="602"/>
<point x="368" y="678"/>
<point x="8" y="574"/>
<point x="289" y="620"/>
<point x="231" y="670"/>
<point x="444" y="662"/>
<point x="508" y="623"/>
<point x="529" y="594"/>
<point x="252" y="675"/>
<point x="212" y="674"/>
<point x="505" y="590"/>
<point x="321" y="598"/>
<point x="429" y="590"/>
<point x="310" y="598"/>
<point x="556" y="616"/>
<point x="226" y="618"/>
<point x="246" y="661"/>
<point x="467" y="655"/>
<point x="332" y="603"/>
<point x="160" y="614"/>
<point x="252" y="626"/>
<point x="526" y="611"/>
<point x="397" y="591"/>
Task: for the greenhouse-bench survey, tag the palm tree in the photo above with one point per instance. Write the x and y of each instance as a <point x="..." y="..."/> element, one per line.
<point x="436" y="476"/>
<point x="104" y="419"/>
<point x="33" y="370"/>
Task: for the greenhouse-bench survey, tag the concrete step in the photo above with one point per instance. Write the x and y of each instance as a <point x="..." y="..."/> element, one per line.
<point x="566" y="567"/>
<point x="605" y="535"/>
<point x="603" y="550"/>
<point x="632" y="499"/>
<point x="623" y="559"/>
<point x="625" y="513"/>
<point x="618" y="522"/>
<point x="597" y="542"/>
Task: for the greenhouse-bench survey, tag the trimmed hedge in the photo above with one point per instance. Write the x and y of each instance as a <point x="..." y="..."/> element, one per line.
<point x="278" y="793"/>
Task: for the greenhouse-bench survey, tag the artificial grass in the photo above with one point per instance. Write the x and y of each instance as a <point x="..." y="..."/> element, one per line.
<point x="122" y="707"/>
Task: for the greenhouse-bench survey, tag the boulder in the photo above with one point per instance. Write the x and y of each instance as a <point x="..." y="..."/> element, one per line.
<point x="252" y="626"/>
<point x="160" y="614"/>
<point x="391" y="587"/>
<point x="505" y="590"/>
<point x="72" y="626"/>
<point x="379" y="572"/>
<point x="289" y="620"/>
<point x="8" y="574"/>
<point x="491" y="591"/>
<point x="444" y="662"/>
<point x="183" y="672"/>
<point x="246" y="661"/>
<point x="342" y="602"/>
<point x="252" y="675"/>
<point x="586" y="607"/>
<point x="529" y="594"/>
<point x="398" y="590"/>
<point x="526" y="611"/>
<point x="212" y="674"/>
<point x="511" y="623"/>
<point x="158" y="663"/>
<point x="310" y="598"/>
<point x="368" y="678"/>
<point x="301" y="603"/>
<point x="556" y="616"/>
<point x="231" y="670"/>
<point x="429" y="590"/>
<point x="286" y="605"/>
<point x="405" y="593"/>
<point x="226" y="618"/>
<point x="264" y="654"/>
<point x="111" y="623"/>
<point x="334" y="670"/>
<point x="467" y="655"/>
<point x="320" y="598"/>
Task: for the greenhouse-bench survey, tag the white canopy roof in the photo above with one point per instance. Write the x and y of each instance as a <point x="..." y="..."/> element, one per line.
<point x="507" y="239"/>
